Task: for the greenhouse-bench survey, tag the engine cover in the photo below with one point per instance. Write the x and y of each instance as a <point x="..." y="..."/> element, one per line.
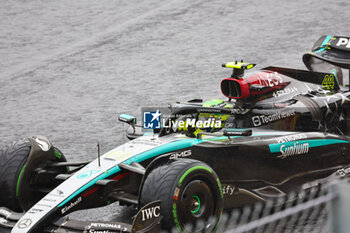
<point x="252" y="86"/>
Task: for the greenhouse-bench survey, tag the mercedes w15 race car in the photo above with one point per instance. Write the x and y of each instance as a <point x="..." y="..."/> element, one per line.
<point x="278" y="129"/>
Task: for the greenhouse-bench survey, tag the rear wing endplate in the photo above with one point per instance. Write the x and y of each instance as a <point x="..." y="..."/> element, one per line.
<point x="331" y="50"/>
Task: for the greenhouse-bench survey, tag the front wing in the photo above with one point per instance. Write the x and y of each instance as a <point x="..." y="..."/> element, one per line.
<point x="148" y="219"/>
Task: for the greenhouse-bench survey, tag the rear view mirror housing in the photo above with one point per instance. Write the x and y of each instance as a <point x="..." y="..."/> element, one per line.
<point x="128" y="119"/>
<point x="237" y="132"/>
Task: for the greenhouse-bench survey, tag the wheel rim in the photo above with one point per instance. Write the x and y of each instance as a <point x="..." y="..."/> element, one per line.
<point x="196" y="202"/>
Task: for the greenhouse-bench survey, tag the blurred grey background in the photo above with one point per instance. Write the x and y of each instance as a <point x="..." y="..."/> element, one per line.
<point x="69" y="68"/>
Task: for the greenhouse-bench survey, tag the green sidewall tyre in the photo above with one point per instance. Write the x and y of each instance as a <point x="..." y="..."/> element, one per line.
<point x="13" y="159"/>
<point x="189" y="191"/>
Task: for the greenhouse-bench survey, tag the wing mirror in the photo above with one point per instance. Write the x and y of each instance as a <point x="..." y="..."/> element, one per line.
<point x="128" y="119"/>
<point x="237" y="132"/>
<point x="231" y="132"/>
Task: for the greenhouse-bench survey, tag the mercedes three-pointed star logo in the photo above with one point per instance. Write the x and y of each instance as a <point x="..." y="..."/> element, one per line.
<point x="24" y="223"/>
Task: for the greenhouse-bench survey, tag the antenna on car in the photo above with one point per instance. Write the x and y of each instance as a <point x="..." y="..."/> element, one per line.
<point x="123" y="137"/>
<point x="98" y="154"/>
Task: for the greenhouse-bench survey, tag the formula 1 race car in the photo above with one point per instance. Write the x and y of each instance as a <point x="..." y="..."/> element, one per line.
<point x="279" y="129"/>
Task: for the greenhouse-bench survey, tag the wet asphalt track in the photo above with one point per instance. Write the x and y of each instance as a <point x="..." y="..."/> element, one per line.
<point x="69" y="68"/>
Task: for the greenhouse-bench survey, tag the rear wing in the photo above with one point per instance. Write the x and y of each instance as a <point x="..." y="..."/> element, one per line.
<point x="329" y="54"/>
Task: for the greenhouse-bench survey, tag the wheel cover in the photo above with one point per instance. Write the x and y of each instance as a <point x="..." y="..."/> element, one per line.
<point x="196" y="202"/>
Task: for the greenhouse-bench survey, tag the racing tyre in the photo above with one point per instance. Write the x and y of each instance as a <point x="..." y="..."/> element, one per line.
<point x="190" y="192"/>
<point x="13" y="159"/>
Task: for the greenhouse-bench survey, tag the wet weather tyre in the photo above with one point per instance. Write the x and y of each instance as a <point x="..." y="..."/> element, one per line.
<point x="13" y="159"/>
<point x="190" y="192"/>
